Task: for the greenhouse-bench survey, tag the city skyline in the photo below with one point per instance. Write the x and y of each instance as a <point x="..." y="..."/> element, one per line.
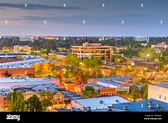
<point x="84" y="17"/>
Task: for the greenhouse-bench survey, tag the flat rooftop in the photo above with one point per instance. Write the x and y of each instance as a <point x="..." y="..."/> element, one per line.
<point x="149" y="63"/>
<point x="113" y="80"/>
<point x="142" y="106"/>
<point x="94" y="103"/>
<point x="47" y="87"/>
<point x="24" y="81"/>
<point x="95" y="86"/>
<point x="163" y="84"/>
<point x="13" y="53"/>
<point x="134" y="59"/>
<point x="24" y="63"/>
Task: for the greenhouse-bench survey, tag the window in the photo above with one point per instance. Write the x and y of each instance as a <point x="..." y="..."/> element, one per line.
<point x="164" y="97"/>
<point x="159" y="96"/>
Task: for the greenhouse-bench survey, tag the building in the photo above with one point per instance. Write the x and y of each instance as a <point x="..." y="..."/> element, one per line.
<point x="142" y="39"/>
<point x="149" y="105"/>
<point x="29" y="66"/>
<point x="95" y="50"/>
<point x="102" y="90"/>
<point x="69" y="85"/>
<point x="26" y="38"/>
<point x="33" y="86"/>
<point x="119" y="49"/>
<point x="7" y="83"/>
<point x="15" y="56"/>
<point x="97" y="103"/>
<point x="21" y="68"/>
<point x="46" y="67"/>
<point x="13" y="72"/>
<point x="120" y="83"/>
<point x="29" y="94"/>
<point x="143" y="106"/>
<point x="160" y="46"/>
<point x="22" y="48"/>
<point x="58" y="100"/>
<point x="3" y="103"/>
<point x="6" y="49"/>
<point x="133" y="61"/>
<point x="158" y="91"/>
<point x="148" y="65"/>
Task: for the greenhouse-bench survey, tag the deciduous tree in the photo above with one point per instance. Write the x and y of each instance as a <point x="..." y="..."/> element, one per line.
<point x="89" y="92"/>
<point x="16" y="101"/>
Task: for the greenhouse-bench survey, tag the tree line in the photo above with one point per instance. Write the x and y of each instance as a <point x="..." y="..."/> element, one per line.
<point x="17" y="102"/>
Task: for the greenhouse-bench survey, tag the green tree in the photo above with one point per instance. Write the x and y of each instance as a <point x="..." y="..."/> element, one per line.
<point x="33" y="104"/>
<point x="113" y="72"/>
<point x="42" y="53"/>
<point x="99" y="74"/>
<point x="135" y="92"/>
<point x="117" y="59"/>
<point x="40" y="71"/>
<point x="46" y="98"/>
<point x="66" y="72"/>
<point x="144" y="91"/>
<point x="72" y="61"/>
<point x="144" y="81"/>
<point x="92" y="63"/>
<point x="129" y="53"/>
<point x="89" y="92"/>
<point x="52" y="71"/>
<point x="16" y="101"/>
<point x="81" y="78"/>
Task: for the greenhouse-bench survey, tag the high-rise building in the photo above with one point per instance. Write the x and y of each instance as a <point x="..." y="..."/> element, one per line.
<point x="26" y="38"/>
<point x="93" y="50"/>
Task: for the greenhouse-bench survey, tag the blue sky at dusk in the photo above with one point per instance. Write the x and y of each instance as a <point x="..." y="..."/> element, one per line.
<point x="84" y="17"/>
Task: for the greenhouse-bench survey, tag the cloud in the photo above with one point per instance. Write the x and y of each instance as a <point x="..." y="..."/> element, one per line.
<point x="37" y="6"/>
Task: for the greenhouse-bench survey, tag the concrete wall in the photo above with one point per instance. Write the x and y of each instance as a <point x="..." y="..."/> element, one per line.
<point x="16" y="71"/>
<point x="10" y="60"/>
<point x="158" y="93"/>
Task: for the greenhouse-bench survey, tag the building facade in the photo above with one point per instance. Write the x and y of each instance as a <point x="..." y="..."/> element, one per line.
<point x="16" y="71"/>
<point x="58" y="100"/>
<point x="161" y="45"/>
<point x="93" y="50"/>
<point x="24" y="48"/>
<point x="3" y="103"/>
<point x="158" y="91"/>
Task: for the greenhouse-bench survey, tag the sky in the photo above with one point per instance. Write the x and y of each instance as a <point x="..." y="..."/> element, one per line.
<point x="84" y="17"/>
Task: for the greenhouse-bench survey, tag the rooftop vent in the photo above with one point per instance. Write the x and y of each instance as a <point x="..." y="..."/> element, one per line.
<point x="88" y="109"/>
<point x="116" y="100"/>
<point x="149" y="102"/>
<point x="109" y="108"/>
<point x="158" y="105"/>
<point x="102" y="103"/>
<point x="141" y="105"/>
<point x="72" y="109"/>
<point x="125" y="108"/>
<point x="150" y="106"/>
